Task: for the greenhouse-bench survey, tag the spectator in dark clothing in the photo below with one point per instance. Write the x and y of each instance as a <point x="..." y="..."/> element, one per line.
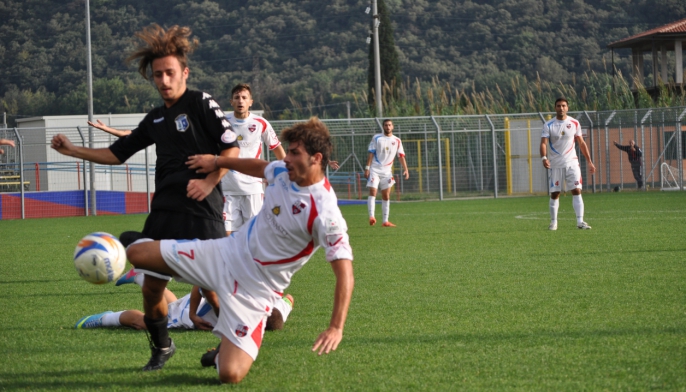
<point x="635" y="154"/>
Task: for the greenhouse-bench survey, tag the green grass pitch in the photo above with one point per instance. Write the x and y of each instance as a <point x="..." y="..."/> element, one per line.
<point x="462" y="295"/>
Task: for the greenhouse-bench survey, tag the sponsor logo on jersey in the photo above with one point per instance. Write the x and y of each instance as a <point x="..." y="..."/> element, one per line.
<point x="276" y="210"/>
<point x="158" y="120"/>
<point x="182" y="123"/>
<point x="298" y="207"/>
<point x="563" y="133"/>
<point x="240" y="137"/>
<point x="331" y="226"/>
<point x="242" y="331"/>
<point x="228" y="137"/>
<point x="252" y="128"/>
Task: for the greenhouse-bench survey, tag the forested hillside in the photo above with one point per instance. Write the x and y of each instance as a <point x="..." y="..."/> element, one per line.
<point x="307" y="53"/>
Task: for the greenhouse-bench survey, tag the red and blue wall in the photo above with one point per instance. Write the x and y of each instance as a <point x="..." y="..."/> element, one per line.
<point x="70" y="203"/>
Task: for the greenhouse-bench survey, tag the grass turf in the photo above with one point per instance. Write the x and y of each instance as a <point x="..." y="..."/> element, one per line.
<point x="471" y="295"/>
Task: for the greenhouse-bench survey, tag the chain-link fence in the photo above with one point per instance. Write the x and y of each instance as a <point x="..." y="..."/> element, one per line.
<point x="448" y="157"/>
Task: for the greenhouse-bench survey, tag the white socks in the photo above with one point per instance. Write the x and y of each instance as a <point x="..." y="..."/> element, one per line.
<point x="111" y="319"/>
<point x="554" y="206"/>
<point x="385" y="209"/>
<point x="371" y="205"/>
<point x="578" y="204"/>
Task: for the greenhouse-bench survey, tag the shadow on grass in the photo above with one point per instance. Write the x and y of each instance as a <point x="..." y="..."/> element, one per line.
<point x="82" y="379"/>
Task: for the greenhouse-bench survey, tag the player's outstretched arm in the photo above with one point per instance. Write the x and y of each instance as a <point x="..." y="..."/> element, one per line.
<point x="332" y="336"/>
<point x="199" y="189"/>
<point x="116" y="132"/>
<point x="208" y="163"/>
<point x="64" y="146"/>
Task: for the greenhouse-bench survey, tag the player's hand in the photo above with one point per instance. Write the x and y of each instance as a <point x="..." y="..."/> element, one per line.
<point x="200" y="323"/>
<point x="406" y="174"/>
<point x="328" y="340"/>
<point x="366" y="173"/>
<point x="100" y="125"/>
<point x="199" y="189"/>
<point x="204" y="163"/>
<point x="591" y="168"/>
<point x="546" y="164"/>
<point x="334" y="165"/>
<point x="61" y="144"/>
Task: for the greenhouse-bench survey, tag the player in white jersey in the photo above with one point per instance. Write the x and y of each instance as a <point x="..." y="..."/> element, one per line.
<point x="243" y="193"/>
<point x="251" y="268"/>
<point x="382" y="151"/>
<point x="560" y="135"/>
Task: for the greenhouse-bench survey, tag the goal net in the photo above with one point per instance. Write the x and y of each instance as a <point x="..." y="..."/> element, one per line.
<point x="670" y="176"/>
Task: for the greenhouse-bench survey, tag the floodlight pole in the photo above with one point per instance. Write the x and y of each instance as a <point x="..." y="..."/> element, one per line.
<point x="90" y="104"/>
<point x="376" y="20"/>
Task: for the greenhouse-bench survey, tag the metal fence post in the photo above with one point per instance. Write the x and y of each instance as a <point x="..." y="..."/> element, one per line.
<point x="495" y="161"/>
<point x="679" y="152"/>
<point x="607" y="150"/>
<point x="21" y="172"/>
<point x="643" y="143"/>
<point x="83" y="168"/>
<point x="590" y="138"/>
<point x="440" y="159"/>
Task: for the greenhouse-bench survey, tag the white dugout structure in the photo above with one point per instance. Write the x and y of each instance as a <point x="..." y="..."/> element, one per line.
<point x="449" y="157"/>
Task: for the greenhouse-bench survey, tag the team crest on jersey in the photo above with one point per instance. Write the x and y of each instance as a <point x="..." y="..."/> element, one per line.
<point x="569" y="126"/>
<point x="228" y="137"/>
<point x="252" y="127"/>
<point x="557" y="183"/>
<point x="276" y="210"/>
<point x="182" y="123"/>
<point x="241" y="331"/>
<point x="392" y="143"/>
<point x="298" y="207"/>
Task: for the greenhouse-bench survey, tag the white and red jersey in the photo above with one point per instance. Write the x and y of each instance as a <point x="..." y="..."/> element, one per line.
<point x="178" y="315"/>
<point x="561" y="133"/>
<point x="293" y="223"/>
<point x="384" y="148"/>
<point x="251" y="133"/>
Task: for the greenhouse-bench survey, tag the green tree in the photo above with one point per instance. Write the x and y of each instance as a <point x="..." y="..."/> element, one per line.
<point x="388" y="55"/>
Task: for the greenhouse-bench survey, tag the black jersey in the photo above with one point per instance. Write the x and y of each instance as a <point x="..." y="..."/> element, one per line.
<point x="195" y="124"/>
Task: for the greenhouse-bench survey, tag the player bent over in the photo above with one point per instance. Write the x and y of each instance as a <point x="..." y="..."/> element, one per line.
<point x="560" y="134"/>
<point x="250" y="269"/>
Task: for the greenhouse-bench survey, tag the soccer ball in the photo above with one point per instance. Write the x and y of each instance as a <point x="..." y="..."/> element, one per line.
<point x="100" y="258"/>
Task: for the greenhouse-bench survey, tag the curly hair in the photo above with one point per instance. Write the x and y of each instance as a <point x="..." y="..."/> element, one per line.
<point x="314" y="135"/>
<point x="158" y="43"/>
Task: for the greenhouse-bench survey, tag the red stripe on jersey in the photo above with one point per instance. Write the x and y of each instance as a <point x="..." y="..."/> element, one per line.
<point x="264" y="124"/>
<point x="313" y="215"/>
<point x="257" y="335"/>
<point x="327" y="184"/>
<point x="305" y="252"/>
<point x="570" y="149"/>
<point x="259" y="151"/>
<point x="575" y="122"/>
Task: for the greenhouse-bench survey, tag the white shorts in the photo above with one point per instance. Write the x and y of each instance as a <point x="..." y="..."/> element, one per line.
<point x="571" y="175"/>
<point x="239" y="209"/>
<point x="242" y="316"/>
<point x="380" y="182"/>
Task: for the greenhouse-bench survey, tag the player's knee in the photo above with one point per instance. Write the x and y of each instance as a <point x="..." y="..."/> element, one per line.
<point x="231" y="376"/>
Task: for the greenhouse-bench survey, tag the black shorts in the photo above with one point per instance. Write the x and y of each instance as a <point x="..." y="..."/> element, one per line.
<point x="170" y="225"/>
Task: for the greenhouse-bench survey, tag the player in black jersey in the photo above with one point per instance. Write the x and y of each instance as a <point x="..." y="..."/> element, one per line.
<point x="186" y="204"/>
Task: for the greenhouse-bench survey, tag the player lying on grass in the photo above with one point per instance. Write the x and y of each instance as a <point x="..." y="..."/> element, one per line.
<point x="250" y="269"/>
<point x="192" y="311"/>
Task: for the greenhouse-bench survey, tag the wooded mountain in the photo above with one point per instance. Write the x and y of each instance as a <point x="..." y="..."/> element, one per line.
<point x="309" y="52"/>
